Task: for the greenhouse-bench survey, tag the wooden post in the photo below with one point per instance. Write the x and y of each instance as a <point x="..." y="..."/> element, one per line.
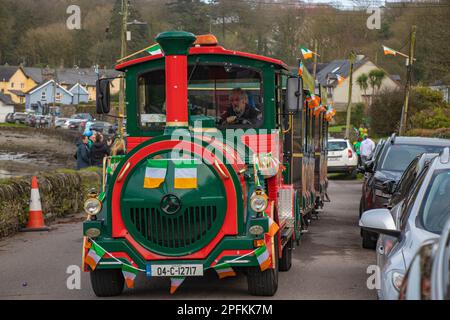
<point x="315" y="59"/>
<point x="410" y="61"/>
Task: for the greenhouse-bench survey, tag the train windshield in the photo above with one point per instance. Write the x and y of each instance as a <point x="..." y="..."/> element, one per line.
<point x="231" y="95"/>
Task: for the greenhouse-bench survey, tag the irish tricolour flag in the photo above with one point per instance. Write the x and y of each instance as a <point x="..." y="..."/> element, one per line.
<point x="154" y="49"/>
<point x="224" y="270"/>
<point x="94" y="255"/>
<point x="175" y="282"/>
<point x="390" y="51"/>
<point x="307" y="54"/>
<point x="155" y="173"/>
<point x="263" y="257"/>
<point x="185" y="174"/>
<point x="129" y="273"/>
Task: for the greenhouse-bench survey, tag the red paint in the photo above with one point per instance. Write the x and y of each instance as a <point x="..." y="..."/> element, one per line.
<point x="230" y="253"/>
<point x="205" y="50"/>
<point x="133" y="142"/>
<point x="176" y="89"/>
<point x="230" y="223"/>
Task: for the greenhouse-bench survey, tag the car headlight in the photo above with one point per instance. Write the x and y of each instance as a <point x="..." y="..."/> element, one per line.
<point x="92" y="206"/>
<point x="258" y="201"/>
<point x="397" y="280"/>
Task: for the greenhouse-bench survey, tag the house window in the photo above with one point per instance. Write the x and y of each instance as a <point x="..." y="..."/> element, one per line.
<point x="43" y="96"/>
<point x="12" y="84"/>
<point x="21" y="99"/>
<point x="22" y="85"/>
<point x="58" y="96"/>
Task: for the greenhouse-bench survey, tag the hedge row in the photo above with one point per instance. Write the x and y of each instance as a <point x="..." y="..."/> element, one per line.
<point x="61" y="194"/>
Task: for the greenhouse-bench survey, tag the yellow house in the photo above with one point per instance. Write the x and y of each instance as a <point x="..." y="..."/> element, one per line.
<point x="15" y="82"/>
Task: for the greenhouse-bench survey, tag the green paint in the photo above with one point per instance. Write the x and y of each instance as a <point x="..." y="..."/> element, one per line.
<point x="175" y="42"/>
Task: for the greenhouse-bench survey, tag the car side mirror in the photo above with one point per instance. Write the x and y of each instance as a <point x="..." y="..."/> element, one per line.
<point x="389" y="187"/>
<point x="379" y="221"/>
<point x="103" y="96"/>
<point x="294" y="94"/>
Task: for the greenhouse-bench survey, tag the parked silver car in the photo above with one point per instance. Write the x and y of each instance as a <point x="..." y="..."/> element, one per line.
<point x="418" y="218"/>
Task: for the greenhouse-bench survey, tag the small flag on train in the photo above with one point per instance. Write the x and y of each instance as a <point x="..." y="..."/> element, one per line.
<point x="307" y="54"/>
<point x="129" y="273"/>
<point x="94" y="255"/>
<point x="389" y="51"/>
<point x="175" y="282"/>
<point x="224" y="270"/>
<point x="263" y="257"/>
<point x="273" y="227"/>
<point x="300" y="69"/>
<point x="155" y="173"/>
<point x="155" y="49"/>
<point x="313" y="100"/>
<point x="185" y="174"/>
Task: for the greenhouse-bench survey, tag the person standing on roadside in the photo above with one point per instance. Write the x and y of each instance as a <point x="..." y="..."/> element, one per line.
<point x="367" y="148"/>
<point x="99" y="150"/>
<point x="357" y="147"/>
<point x="83" y="155"/>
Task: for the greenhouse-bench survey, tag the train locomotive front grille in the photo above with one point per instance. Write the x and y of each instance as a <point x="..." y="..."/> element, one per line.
<point x="183" y="230"/>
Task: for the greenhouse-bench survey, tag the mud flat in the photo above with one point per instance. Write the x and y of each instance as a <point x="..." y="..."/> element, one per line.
<point x="25" y="152"/>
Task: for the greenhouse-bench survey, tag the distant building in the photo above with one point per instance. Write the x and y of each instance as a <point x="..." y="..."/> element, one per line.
<point x="80" y="94"/>
<point x="47" y="94"/>
<point x="335" y="78"/>
<point x="6" y="106"/>
<point x="15" y="82"/>
<point x="442" y="88"/>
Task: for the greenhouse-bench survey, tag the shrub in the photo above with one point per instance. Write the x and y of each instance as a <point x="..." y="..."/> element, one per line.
<point x="433" y="118"/>
<point x="385" y="112"/>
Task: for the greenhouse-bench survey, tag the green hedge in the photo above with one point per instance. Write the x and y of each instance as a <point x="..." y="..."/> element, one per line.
<point x="61" y="194"/>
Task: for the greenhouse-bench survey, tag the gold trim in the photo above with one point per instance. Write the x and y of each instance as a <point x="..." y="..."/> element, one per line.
<point x="123" y="172"/>
<point x="317" y="154"/>
<point x="216" y="164"/>
<point x="297" y="155"/>
<point x="290" y="121"/>
<point x="177" y="124"/>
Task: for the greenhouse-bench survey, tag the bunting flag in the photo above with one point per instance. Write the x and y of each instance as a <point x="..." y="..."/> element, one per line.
<point x="185" y="174"/>
<point x="313" y="100"/>
<point x="224" y="270"/>
<point x="340" y="79"/>
<point x="389" y="51"/>
<point x="273" y="227"/>
<point x="330" y="113"/>
<point x="155" y="173"/>
<point x="94" y="255"/>
<point x="129" y="273"/>
<point x="175" y="282"/>
<point x="307" y="54"/>
<point x="263" y="257"/>
<point x="155" y="49"/>
<point x="318" y="110"/>
<point x="300" y="69"/>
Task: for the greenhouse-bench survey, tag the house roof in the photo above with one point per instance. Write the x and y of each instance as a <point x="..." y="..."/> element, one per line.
<point x="340" y="67"/>
<point x="6" y="99"/>
<point x="83" y="89"/>
<point x="6" y="72"/>
<point x="17" y="93"/>
<point x="34" y="73"/>
<point x="46" y="84"/>
<point x="84" y="76"/>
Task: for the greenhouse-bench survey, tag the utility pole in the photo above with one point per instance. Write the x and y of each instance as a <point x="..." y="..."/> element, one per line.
<point x="315" y="59"/>
<point x="349" y="105"/>
<point x="409" y="61"/>
<point x="123" y="53"/>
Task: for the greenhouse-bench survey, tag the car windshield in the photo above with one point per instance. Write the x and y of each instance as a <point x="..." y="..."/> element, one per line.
<point x="436" y="209"/>
<point x="399" y="156"/>
<point x="337" y="145"/>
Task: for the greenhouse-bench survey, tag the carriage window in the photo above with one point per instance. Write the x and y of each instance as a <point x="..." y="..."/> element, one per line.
<point x="151" y="99"/>
<point x="229" y="94"/>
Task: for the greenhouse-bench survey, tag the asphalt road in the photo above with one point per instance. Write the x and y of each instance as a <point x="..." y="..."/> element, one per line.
<point x="329" y="263"/>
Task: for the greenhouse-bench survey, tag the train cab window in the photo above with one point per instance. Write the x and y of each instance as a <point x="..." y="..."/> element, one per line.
<point x="151" y="99"/>
<point x="231" y="95"/>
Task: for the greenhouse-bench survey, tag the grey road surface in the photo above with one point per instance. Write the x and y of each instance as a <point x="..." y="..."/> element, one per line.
<point x="329" y="263"/>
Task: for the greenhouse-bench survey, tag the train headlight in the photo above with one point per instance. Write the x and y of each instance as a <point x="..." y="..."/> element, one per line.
<point x="258" y="201"/>
<point x="92" y="206"/>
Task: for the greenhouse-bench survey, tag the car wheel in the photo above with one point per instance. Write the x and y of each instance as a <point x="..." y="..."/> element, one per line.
<point x="285" y="262"/>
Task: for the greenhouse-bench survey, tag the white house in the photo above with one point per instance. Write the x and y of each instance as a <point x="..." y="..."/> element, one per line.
<point x="334" y="76"/>
<point x="80" y="94"/>
<point x="6" y="106"/>
<point x="47" y="93"/>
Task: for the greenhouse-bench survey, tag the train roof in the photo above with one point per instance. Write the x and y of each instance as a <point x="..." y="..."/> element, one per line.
<point x="206" y="50"/>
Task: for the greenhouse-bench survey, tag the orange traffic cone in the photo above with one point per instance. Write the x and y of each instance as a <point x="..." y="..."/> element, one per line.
<point x="36" y="218"/>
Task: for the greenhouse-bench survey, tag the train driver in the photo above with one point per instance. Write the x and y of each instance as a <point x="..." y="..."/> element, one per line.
<point x="240" y="112"/>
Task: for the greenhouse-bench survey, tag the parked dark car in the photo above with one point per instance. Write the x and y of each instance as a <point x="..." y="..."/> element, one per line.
<point x="387" y="167"/>
<point x="102" y="127"/>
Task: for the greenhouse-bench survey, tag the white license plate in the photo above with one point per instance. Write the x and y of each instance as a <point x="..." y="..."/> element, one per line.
<point x="334" y="159"/>
<point x="177" y="270"/>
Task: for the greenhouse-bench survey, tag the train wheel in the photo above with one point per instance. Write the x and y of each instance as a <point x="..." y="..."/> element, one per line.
<point x="107" y="283"/>
<point x="285" y="262"/>
<point x="263" y="283"/>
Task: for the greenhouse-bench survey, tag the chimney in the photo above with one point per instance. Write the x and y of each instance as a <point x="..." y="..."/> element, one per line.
<point x="175" y="45"/>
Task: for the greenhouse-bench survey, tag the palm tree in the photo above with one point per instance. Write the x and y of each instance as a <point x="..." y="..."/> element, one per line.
<point x="362" y="83"/>
<point x="376" y="77"/>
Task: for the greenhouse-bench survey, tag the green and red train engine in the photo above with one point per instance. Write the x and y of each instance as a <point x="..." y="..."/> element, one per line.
<point x="204" y="183"/>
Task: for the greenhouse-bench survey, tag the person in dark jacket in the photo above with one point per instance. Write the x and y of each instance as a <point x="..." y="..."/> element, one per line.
<point x="240" y="112"/>
<point x="82" y="155"/>
<point x="99" y="150"/>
